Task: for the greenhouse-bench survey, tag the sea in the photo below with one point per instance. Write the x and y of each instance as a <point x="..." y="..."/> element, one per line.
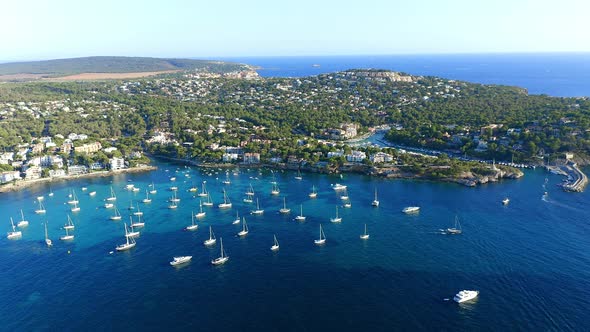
<point x="529" y="259"/>
<point x="554" y="74"/>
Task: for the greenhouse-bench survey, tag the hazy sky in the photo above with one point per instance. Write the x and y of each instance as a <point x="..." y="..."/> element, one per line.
<point x="42" y="29"/>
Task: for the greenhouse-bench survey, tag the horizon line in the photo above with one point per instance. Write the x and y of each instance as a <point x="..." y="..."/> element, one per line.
<point x="3" y="61"/>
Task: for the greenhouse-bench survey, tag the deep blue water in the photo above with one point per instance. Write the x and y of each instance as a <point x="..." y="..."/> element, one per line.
<point x="560" y="74"/>
<point x="529" y="259"/>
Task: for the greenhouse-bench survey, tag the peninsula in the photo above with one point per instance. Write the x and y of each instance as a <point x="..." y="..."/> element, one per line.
<point x="224" y="113"/>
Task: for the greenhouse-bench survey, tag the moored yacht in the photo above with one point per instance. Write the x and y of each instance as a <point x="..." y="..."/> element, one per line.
<point x="211" y="240"/>
<point x="244" y="230"/>
<point x="22" y="222"/>
<point x="201" y="214"/>
<point x="300" y="217"/>
<point x="275" y="245"/>
<point x="284" y="209"/>
<point x="130" y="242"/>
<point x="322" y="238"/>
<point x="226" y="203"/>
<point x="375" y="202"/>
<point x="221" y="259"/>
<point x="192" y="226"/>
<point x="505" y="201"/>
<point x="258" y="210"/>
<point x="313" y="193"/>
<point x="14" y="234"/>
<point x="336" y="218"/>
<point x="180" y="260"/>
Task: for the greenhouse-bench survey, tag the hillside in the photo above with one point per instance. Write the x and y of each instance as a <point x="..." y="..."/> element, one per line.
<point x="108" y="64"/>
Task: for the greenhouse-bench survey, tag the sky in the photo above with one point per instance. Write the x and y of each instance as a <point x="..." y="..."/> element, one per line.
<point x="44" y="29"/>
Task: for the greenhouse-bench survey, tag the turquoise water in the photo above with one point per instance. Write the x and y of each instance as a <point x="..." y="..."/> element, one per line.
<point x="529" y="259"/>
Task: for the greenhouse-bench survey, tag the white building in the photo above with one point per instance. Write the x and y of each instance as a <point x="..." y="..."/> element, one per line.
<point x="9" y="176"/>
<point x="77" y="170"/>
<point x="55" y="173"/>
<point x="228" y="157"/>
<point x="117" y="163"/>
<point x="356" y="156"/>
<point x="381" y="157"/>
<point x="338" y="153"/>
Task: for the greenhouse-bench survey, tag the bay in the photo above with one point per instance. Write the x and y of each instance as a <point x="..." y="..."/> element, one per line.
<point x="530" y="259"/>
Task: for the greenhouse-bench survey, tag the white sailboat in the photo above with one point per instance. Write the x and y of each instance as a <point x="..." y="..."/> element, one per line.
<point x="22" y="222"/>
<point x="14" y="234"/>
<point x="211" y="240"/>
<point x="108" y="205"/>
<point x="284" y="209"/>
<point x="192" y="226"/>
<point x="138" y="212"/>
<point x="456" y="229"/>
<point x="133" y="232"/>
<point x="117" y="215"/>
<point x="174" y="199"/>
<point x="375" y="202"/>
<point x="153" y="190"/>
<point x="208" y="202"/>
<point x="258" y="210"/>
<point x="250" y="191"/>
<point x="221" y="259"/>
<point x="298" y="176"/>
<point x="337" y="218"/>
<point x="275" y="245"/>
<point x="244" y="230"/>
<point x="237" y="220"/>
<point x="92" y="193"/>
<point x="48" y="241"/>
<point x="226" y="203"/>
<point x="129" y="243"/>
<point x="226" y="181"/>
<point x="300" y="217"/>
<point x="365" y="235"/>
<point x="344" y="195"/>
<point x="173" y="205"/>
<point x="66" y="237"/>
<point x="69" y="224"/>
<point x="203" y="192"/>
<point x="113" y="197"/>
<point x="173" y="188"/>
<point x="138" y="223"/>
<point x="275" y="189"/>
<point x="147" y="198"/>
<point x="50" y="192"/>
<point x="74" y="199"/>
<point x="75" y="208"/>
<point x="322" y="238"/>
<point x="313" y="193"/>
<point x="201" y="214"/>
<point x="41" y="209"/>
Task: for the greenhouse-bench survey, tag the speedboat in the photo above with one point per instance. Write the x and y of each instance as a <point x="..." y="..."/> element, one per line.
<point x="180" y="260"/>
<point x="411" y="209"/>
<point x="465" y="295"/>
